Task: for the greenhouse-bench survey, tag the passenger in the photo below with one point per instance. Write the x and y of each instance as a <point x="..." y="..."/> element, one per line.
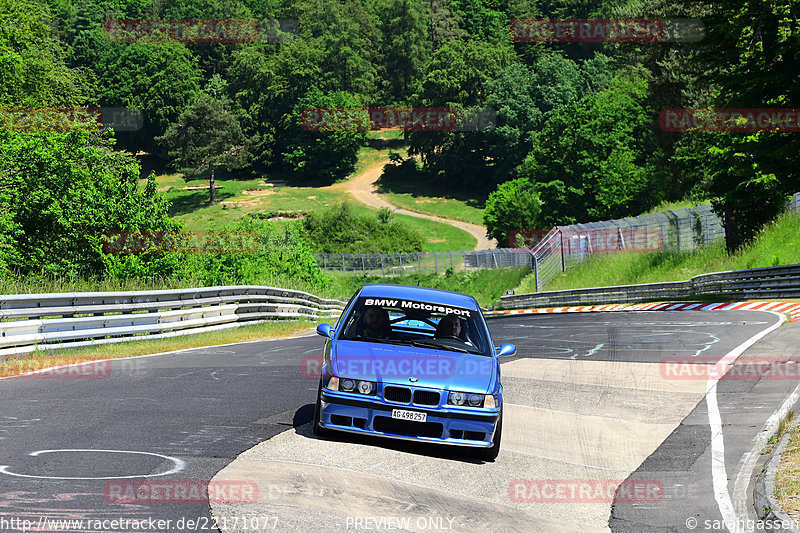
<point x="449" y="326"/>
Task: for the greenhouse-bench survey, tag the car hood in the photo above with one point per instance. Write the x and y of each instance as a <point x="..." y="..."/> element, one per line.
<point x="391" y="363"/>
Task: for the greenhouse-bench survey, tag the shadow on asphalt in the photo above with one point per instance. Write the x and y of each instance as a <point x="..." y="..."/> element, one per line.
<point x="305" y="414"/>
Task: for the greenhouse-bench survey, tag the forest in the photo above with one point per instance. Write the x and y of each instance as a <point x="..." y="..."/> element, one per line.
<point x="575" y="133"/>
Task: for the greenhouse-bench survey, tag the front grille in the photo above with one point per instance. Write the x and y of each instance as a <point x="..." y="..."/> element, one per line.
<point x="407" y="427"/>
<point x="426" y="397"/>
<point x="397" y="394"/>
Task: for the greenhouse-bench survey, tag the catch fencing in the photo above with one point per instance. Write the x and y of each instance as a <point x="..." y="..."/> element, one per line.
<point x="563" y="247"/>
<point x="423" y="262"/>
<point x="754" y="283"/>
<point x="30" y="322"/>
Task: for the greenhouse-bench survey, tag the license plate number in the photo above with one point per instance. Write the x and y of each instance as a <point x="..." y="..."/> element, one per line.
<point x="414" y="416"/>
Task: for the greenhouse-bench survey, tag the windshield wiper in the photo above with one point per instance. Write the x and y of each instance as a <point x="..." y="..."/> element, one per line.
<point x="436" y="345"/>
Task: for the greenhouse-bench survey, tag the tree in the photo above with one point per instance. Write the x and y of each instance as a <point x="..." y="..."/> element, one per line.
<point x="404" y="45"/>
<point x="33" y="70"/>
<point x="751" y="57"/>
<point x="515" y="205"/>
<point x="596" y="158"/>
<point x="330" y="151"/>
<point x="160" y="79"/>
<point x="60" y="193"/>
<point x="206" y="137"/>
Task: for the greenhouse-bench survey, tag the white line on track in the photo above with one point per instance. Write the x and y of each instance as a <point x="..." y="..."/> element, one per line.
<point x="719" y="474"/>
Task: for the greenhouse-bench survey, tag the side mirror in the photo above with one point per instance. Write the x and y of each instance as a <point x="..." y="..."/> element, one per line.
<point x="506" y="349"/>
<point x="326" y="330"/>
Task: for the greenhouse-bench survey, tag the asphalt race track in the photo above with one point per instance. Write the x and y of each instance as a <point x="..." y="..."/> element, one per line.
<point x="586" y="400"/>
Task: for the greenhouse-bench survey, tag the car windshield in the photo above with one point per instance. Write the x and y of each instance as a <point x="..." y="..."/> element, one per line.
<point x="416" y="323"/>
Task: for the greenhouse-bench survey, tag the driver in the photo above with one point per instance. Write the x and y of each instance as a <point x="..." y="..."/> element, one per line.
<point x="449" y="326"/>
<point x="375" y="323"/>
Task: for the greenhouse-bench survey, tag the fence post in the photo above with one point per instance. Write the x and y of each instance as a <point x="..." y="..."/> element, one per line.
<point x="535" y="272"/>
<point x="363" y="266"/>
<point x="451" y="259"/>
<point x="419" y="264"/>
<point x="381" y="256"/>
<point x="435" y="263"/>
<point x="325" y="261"/>
<point x="342" y="262"/>
<point x="563" y="262"/>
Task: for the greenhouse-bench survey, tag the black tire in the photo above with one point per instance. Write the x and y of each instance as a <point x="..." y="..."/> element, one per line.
<point x="319" y="431"/>
<point x="490" y="454"/>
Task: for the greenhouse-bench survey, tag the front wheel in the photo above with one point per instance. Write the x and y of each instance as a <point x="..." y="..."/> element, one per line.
<point x="319" y="431"/>
<point x="490" y="454"/>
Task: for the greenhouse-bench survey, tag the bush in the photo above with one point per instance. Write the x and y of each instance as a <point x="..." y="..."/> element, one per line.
<point x="342" y="230"/>
<point x="515" y="205"/>
<point x="284" y="254"/>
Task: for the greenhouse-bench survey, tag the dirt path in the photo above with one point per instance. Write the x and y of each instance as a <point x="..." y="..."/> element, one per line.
<point x="362" y="187"/>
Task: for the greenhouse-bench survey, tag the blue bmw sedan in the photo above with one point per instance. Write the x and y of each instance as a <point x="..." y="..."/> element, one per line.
<point x="412" y="363"/>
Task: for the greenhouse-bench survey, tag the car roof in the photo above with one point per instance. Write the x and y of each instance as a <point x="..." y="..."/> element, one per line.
<point x="423" y="294"/>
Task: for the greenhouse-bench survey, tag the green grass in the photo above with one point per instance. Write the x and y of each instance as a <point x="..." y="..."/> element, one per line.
<point x="238" y="198"/>
<point x="485" y="285"/>
<point x="415" y="191"/>
<point x="679" y="204"/>
<point x="777" y="244"/>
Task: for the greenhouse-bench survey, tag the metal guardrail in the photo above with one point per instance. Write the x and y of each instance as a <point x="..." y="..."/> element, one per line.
<point x="30" y="322"/>
<point x="769" y="282"/>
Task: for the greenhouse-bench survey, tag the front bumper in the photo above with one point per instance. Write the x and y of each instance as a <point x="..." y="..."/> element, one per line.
<point x="343" y="412"/>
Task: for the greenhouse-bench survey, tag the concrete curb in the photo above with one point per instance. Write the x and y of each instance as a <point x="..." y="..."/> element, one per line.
<point x="792" y="309"/>
<point x="764" y="490"/>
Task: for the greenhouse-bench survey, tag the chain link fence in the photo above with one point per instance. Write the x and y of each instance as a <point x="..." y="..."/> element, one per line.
<point x="563" y="247"/>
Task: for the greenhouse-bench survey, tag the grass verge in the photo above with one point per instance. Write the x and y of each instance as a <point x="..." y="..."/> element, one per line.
<point x="777" y="244"/>
<point x="787" y="478"/>
<point x="49" y="358"/>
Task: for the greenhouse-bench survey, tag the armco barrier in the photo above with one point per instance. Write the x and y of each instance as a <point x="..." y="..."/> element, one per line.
<point x="45" y="321"/>
<point x="769" y="282"/>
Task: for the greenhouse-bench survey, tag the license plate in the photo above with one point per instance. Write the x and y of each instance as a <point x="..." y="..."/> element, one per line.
<point x="414" y="416"/>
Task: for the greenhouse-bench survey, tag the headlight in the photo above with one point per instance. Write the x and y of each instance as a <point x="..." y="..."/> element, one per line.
<point x="471" y="400"/>
<point x="367" y="388"/>
<point x="457" y="398"/>
<point x="475" y="400"/>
